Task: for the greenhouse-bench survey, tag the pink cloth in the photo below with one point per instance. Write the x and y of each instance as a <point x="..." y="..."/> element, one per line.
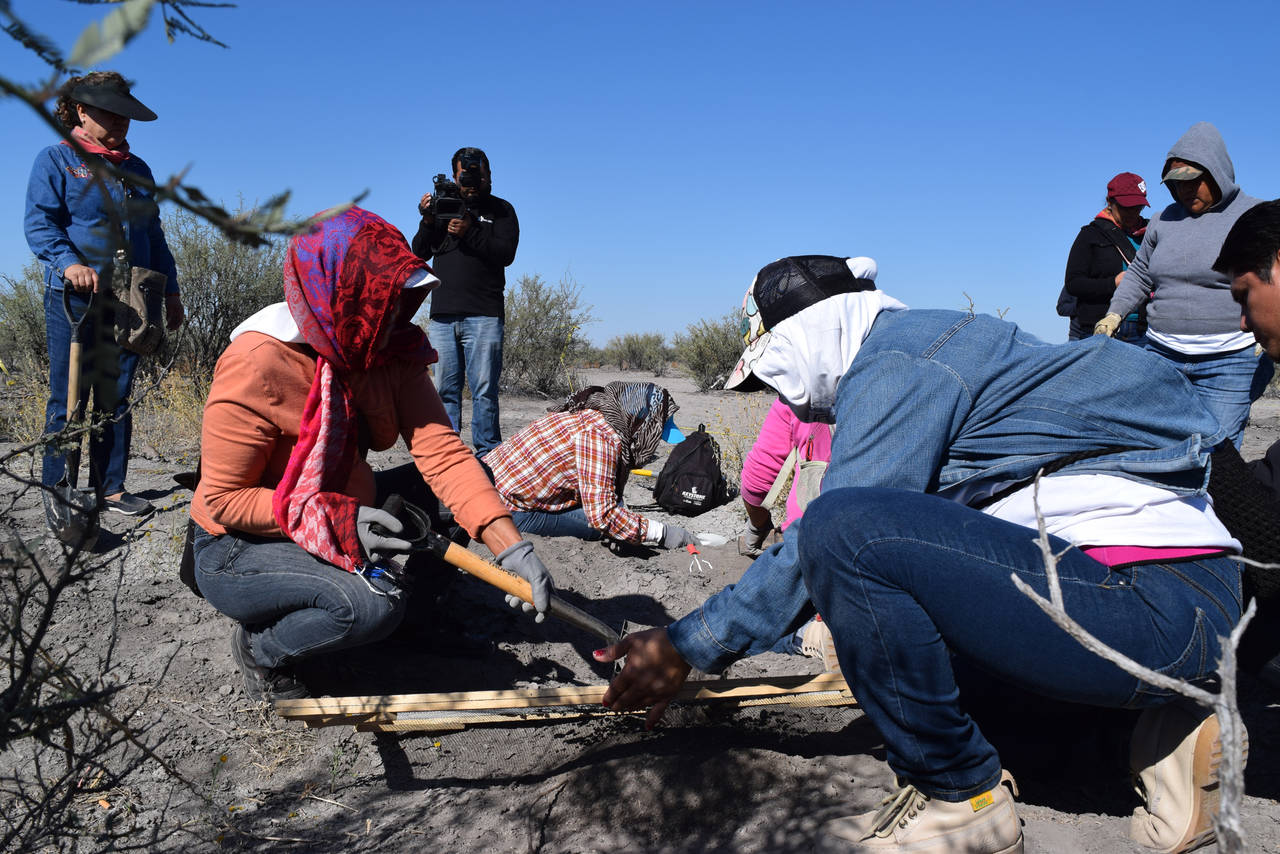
<point x="780" y="432"/>
<point x="1124" y="555"/>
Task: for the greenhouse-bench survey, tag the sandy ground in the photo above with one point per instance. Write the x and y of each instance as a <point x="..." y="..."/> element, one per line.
<point x="754" y="781"/>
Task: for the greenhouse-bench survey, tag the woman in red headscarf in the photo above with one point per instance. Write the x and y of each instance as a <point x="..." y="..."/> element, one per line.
<point x="286" y="501"/>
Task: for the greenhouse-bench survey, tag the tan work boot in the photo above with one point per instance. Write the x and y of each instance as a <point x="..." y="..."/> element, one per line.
<point x="911" y="821"/>
<point x="816" y="642"/>
<point x="1174" y="757"/>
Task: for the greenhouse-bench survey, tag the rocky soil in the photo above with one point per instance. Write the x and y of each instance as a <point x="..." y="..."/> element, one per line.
<point x="751" y="781"/>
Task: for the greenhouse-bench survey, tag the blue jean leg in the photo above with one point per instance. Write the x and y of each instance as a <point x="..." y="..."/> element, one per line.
<point x="482" y="343"/>
<point x="566" y="523"/>
<point x="449" y="376"/>
<point x="107" y="374"/>
<point x="470" y="347"/>
<point x="904" y="578"/>
<point x="292" y="604"/>
<point x="1228" y="383"/>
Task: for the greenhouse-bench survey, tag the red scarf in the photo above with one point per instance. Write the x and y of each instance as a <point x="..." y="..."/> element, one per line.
<point x="343" y="282"/>
<point x="91" y="145"/>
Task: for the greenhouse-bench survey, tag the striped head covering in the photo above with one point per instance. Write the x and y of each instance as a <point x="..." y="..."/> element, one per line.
<point x="636" y="411"/>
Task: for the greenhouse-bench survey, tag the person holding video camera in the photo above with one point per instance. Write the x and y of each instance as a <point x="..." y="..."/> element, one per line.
<point x="471" y="234"/>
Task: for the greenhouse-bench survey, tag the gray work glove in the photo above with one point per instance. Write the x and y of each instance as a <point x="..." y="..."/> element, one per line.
<point x="752" y="542"/>
<point x="674" y="537"/>
<point x="1108" y="325"/>
<point x="379" y="547"/>
<point x="521" y="560"/>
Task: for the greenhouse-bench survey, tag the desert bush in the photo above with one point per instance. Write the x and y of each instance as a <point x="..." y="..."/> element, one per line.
<point x="167" y="418"/>
<point x="223" y="282"/>
<point x="709" y="349"/>
<point x="638" y="351"/>
<point x="543" y="336"/>
<point x="22" y="347"/>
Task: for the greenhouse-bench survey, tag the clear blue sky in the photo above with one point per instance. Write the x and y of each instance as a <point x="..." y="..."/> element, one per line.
<point x="661" y="153"/>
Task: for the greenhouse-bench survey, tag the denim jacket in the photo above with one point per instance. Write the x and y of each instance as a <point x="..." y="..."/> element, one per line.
<point x="962" y="405"/>
<point x="66" y="221"/>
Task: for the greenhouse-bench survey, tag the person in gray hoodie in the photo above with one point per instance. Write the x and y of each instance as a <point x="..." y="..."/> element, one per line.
<point x="1192" y="320"/>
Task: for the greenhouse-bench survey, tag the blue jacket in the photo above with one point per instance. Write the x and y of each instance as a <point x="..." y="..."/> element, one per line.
<point x="961" y="405"/>
<point x="66" y="221"/>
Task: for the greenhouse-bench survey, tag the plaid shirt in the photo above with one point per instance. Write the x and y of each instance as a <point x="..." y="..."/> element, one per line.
<point x="561" y="461"/>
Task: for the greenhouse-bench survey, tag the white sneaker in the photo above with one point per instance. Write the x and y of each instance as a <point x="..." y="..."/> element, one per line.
<point x="911" y="821"/>
<point x="1174" y="756"/>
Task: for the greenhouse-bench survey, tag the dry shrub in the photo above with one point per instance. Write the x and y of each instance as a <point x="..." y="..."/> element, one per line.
<point x="709" y="349"/>
<point x="543" y="336"/>
<point x="735" y="421"/>
<point x="22" y="346"/>
<point x="637" y="351"/>
<point x="167" y="415"/>
<point x="22" y="406"/>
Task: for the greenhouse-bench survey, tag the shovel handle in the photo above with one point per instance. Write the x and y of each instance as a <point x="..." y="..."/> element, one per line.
<point x="516" y="586"/>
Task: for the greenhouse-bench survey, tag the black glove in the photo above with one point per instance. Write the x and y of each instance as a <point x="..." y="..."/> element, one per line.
<point x="377" y="546"/>
<point x="521" y="560"/>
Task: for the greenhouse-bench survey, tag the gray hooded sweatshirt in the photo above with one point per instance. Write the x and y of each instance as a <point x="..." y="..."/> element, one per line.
<point x="1173" y="268"/>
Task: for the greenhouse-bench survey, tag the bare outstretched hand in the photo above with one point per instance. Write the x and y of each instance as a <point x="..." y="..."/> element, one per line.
<point x="652" y="675"/>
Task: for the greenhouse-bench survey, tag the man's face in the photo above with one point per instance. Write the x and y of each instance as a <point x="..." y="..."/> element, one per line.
<point x="1260" y="306"/>
<point x="471" y="192"/>
<point x="1198" y="194"/>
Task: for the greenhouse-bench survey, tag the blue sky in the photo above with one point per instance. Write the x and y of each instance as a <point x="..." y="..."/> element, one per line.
<point x="661" y="153"/>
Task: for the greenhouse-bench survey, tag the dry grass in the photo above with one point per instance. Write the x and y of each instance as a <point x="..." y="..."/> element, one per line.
<point x="735" y="421"/>
<point x="166" y="418"/>
<point x="22" y="407"/>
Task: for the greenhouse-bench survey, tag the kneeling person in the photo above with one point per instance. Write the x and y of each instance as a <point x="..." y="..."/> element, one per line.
<point x="562" y="476"/>
<point x="286" y="543"/>
<point x="926" y="512"/>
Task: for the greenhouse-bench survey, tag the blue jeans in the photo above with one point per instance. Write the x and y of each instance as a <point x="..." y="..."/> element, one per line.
<point x="470" y="345"/>
<point x="292" y="604"/>
<point x="566" y="523"/>
<point x="1228" y="383"/>
<point x="106" y="380"/>
<point x="904" y="579"/>
<point x="295" y="605"/>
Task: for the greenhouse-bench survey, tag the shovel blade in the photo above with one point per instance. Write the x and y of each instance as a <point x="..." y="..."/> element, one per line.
<point x="72" y="515"/>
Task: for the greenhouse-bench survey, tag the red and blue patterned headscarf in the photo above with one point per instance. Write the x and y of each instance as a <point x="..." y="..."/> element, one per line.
<point x="344" y="281"/>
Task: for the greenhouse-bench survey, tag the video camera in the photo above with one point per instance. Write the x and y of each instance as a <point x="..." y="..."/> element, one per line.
<point x="446" y="200"/>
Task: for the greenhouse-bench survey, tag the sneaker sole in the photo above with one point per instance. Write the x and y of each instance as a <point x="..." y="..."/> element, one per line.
<point x="123" y="512"/>
<point x="1206" y="780"/>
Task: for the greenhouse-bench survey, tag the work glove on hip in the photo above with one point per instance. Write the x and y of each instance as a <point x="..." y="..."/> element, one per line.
<point x="1108" y="325"/>
<point x="675" y="537"/>
<point x="377" y="545"/>
<point x="521" y="560"/>
<point x="752" y="541"/>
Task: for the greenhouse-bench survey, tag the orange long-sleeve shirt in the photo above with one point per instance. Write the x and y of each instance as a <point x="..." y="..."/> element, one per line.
<point x="251" y="424"/>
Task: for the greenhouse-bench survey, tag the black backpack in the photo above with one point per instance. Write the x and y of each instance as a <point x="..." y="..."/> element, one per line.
<point x="691" y="480"/>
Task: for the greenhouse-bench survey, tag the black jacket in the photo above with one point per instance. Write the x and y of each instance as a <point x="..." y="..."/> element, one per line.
<point x="471" y="270"/>
<point x="1101" y="250"/>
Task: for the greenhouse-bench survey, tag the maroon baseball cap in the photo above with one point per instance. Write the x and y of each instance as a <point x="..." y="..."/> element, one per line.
<point x="1128" y="190"/>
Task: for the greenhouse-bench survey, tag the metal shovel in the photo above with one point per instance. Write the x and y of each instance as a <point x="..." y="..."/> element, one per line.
<point x="71" y="513"/>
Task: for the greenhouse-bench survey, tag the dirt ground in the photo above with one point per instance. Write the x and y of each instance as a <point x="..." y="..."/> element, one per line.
<point x="751" y="781"/>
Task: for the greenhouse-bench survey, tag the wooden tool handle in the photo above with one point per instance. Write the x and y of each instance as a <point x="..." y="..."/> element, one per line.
<point x="497" y="576"/>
